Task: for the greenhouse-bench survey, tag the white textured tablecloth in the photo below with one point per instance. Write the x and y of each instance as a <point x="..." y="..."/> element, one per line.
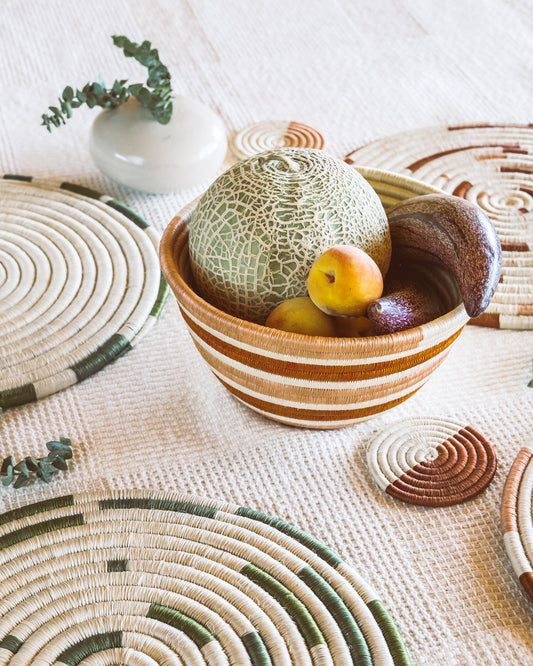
<point x="357" y="70"/>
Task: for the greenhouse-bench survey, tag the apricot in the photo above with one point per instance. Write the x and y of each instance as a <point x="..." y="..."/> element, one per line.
<point x="344" y="280"/>
<point x="300" y="315"/>
<point x="353" y="327"/>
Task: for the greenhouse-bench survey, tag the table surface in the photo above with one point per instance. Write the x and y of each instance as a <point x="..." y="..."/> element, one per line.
<point x="158" y="418"/>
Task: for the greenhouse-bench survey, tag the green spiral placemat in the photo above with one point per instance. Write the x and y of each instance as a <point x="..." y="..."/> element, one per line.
<point x="169" y="578"/>
<point x="491" y="165"/>
<point x="517" y="517"/>
<point x="80" y="285"/>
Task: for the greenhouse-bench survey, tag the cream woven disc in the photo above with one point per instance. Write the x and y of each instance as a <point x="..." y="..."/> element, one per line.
<point x="271" y="134"/>
<point x="516" y="517"/>
<point x="491" y="165"/>
<point x="80" y="284"/>
<point x="144" y="578"/>
<point x="431" y="461"/>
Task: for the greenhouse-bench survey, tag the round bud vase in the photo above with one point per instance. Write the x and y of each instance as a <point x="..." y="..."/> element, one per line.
<point x="130" y="146"/>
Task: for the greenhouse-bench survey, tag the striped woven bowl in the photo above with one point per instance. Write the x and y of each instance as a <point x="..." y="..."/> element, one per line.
<point x="311" y="381"/>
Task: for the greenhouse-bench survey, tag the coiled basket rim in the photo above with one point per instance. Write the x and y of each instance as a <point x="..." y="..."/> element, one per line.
<point x="174" y="259"/>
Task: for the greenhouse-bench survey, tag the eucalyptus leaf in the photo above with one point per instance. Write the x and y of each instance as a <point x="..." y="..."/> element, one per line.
<point x="21" y="480"/>
<point x="68" y="94"/>
<point x="98" y="89"/>
<point x="21" y="467"/>
<point x="58" y="445"/>
<point x="6" y="464"/>
<point x="7" y="471"/>
<point x="46" y="470"/>
<point x="7" y="478"/>
<point x="31" y="463"/>
<point x="59" y="463"/>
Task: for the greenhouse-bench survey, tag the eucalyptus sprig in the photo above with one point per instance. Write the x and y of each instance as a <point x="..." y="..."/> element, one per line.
<point x="155" y="95"/>
<point x="19" y="474"/>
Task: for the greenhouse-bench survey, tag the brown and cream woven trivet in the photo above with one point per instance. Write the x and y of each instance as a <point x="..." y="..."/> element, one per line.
<point x="144" y="578"/>
<point x="517" y="518"/>
<point x="271" y="134"/>
<point x="431" y="461"/>
<point x="491" y="165"/>
<point x="80" y="285"/>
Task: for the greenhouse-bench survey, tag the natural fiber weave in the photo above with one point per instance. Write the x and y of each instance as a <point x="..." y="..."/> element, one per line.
<point x="431" y="461"/>
<point x="271" y="134"/>
<point x="303" y="380"/>
<point x="516" y="517"/>
<point x="151" y="578"/>
<point x="491" y="165"/>
<point x="80" y="285"/>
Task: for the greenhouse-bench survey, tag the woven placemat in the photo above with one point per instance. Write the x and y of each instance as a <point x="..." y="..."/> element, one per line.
<point x="491" y="165"/>
<point x="272" y="134"/>
<point x="516" y="517"/>
<point x="80" y="285"/>
<point x="171" y="578"/>
<point x="431" y="461"/>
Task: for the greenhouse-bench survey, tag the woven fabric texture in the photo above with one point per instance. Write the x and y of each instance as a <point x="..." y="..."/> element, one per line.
<point x="158" y="419"/>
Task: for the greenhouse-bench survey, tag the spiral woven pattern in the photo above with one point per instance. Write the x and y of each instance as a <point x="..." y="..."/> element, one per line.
<point x="270" y="134"/>
<point x="492" y="166"/>
<point x="80" y="285"/>
<point x="149" y="578"/>
<point x="516" y="518"/>
<point x="431" y="462"/>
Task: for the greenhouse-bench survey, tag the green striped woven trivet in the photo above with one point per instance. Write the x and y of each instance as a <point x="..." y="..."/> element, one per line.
<point x="151" y="578"/>
<point x="80" y="284"/>
<point x="431" y="461"/>
<point x="491" y="165"/>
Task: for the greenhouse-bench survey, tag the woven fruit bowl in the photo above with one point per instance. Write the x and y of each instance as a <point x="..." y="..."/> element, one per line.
<point x="311" y="381"/>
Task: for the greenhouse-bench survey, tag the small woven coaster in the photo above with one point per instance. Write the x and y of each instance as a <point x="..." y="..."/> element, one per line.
<point x="271" y="134"/>
<point x="80" y="285"/>
<point x="170" y="578"/>
<point x="431" y="462"/>
<point x="492" y="166"/>
<point x="516" y="518"/>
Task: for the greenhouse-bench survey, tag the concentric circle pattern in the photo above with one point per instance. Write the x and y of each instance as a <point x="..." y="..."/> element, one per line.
<point x="431" y="462"/>
<point x="80" y="285"/>
<point x="516" y="518"/>
<point x="151" y="578"/>
<point x="492" y="166"/>
<point x="271" y="134"/>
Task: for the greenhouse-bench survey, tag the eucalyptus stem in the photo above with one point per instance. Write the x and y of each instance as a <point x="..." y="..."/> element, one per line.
<point x="155" y="94"/>
<point x="19" y="474"/>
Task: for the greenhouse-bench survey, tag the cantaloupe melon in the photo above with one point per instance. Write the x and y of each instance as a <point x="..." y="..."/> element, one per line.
<point x="259" y="227"/>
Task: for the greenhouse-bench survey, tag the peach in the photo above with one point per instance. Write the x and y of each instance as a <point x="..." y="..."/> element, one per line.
<point x="300" y="315"/>
<point x="353" y="327"/>
<point x="344" y="280"/>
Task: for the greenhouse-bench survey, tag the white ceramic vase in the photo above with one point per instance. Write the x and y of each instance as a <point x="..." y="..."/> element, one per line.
<point x="130" y="146"/>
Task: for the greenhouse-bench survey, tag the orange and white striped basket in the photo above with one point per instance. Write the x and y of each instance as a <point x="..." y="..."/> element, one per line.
<point x="311" y="381"/>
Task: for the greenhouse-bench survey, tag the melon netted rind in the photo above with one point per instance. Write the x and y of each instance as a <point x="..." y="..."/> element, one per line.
<point x="257" y="230"/>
